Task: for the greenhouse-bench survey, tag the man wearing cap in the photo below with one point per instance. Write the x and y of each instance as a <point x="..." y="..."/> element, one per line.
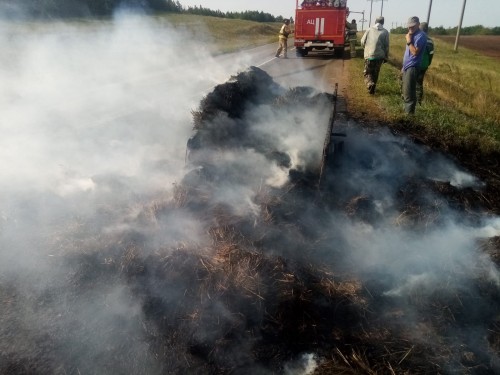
<point x="416" y="41"/>
<point x="426" y="62"/>
<point x="375" y="42"/>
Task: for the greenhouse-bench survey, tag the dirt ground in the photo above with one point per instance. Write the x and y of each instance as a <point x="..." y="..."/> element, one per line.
<point x="488" y="45"/>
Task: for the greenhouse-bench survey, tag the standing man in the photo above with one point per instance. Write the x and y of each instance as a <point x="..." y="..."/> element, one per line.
<point x="375" y="41"/>
<point x="426" y="62"/>
<point x="353" y="37"/>
<point x="415" y="46"/>
<point x="283" y="39"/>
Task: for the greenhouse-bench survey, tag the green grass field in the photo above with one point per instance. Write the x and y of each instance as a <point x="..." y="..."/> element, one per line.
<point x="462" y="94"/>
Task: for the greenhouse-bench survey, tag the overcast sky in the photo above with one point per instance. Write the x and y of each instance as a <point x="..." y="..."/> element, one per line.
<point x="444" y="12"/>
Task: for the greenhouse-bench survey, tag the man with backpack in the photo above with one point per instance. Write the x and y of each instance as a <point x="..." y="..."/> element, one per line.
<point x="426" y="62"/>
<point x="416" y="41"/>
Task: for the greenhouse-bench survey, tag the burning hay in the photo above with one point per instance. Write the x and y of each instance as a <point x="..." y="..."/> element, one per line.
<point x="243" y="272"/>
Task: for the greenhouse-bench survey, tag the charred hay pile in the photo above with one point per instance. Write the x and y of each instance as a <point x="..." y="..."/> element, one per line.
<point x="258" y="295"/>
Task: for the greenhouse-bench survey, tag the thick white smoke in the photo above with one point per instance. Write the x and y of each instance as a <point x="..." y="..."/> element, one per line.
<point x="95" y="120"/>
<point x="93" y="114"/>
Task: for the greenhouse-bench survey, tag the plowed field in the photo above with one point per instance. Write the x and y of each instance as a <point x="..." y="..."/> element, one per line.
<point x="488" y="45"/>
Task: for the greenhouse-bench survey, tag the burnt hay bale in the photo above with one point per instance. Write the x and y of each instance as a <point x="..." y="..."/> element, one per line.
<point x="251" y="86"/>
<point x="301" y="96"/>
<point x="221" y="124"/>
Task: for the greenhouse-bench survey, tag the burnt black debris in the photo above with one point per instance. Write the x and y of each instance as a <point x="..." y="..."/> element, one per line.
<point x="249" y="291"/>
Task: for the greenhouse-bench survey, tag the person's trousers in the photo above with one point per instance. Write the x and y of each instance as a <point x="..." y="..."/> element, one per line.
<point x="409" y="89"/>
<point x="371" y="72"/>
<point x="352" y="44"/>
<point x="420" y="85"/>
<point x="283" y="46"/>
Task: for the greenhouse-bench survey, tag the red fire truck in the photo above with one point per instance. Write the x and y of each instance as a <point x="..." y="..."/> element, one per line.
<point x="320" y="25"/>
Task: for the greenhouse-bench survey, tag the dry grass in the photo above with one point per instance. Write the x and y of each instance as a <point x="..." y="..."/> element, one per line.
<point x="225" y="35"/>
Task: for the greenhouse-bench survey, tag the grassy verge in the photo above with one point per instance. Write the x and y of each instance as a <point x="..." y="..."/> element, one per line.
<point x="226" y="35"/>
<point x="460" y="107"/>
<point x="221" y="35"/>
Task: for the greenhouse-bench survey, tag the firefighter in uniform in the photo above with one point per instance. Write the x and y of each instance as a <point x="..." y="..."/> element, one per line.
<point x="283" y="39"/>
<point x="352" y="35"/>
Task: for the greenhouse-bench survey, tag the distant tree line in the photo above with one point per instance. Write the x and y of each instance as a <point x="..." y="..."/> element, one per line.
<point x="440" y="30"/>
<point x="57" y="9"/>
<point x="250" y="15"/>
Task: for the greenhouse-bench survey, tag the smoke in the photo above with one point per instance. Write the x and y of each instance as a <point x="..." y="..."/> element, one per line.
<point x="106" y="236"/>
<point x="415" y="247"/>
<point x="305" y="365"/>
<point x="95" y="119"/>
<point x="397" y="195"/>
<point x="94" y="115"/>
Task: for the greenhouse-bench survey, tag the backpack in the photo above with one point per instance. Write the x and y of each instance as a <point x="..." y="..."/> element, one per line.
<point x="428" y="54"/>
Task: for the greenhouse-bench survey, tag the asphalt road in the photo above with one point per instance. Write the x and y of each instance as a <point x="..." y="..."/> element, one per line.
<point x="319" y="70"/>
<point x="184" y="83"/>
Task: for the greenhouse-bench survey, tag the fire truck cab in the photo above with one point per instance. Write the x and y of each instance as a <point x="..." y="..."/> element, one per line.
<point x="320" y="25"/>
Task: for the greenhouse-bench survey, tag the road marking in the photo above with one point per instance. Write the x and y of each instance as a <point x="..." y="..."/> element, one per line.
<point x="273" y="58"/>
<point x="265" y="62"/>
